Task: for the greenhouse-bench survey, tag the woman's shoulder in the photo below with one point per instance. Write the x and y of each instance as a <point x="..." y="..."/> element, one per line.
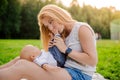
<point x="78" y="26"/>
<point x="82" y="28"/>
<point x="85" y="28"/>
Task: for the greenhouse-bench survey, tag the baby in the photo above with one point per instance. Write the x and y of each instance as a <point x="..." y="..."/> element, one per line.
<point x="53" y="56"/>
<point x="40" y="57"/>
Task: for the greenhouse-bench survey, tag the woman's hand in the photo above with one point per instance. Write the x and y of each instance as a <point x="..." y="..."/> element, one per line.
<point x="59" y="42"/>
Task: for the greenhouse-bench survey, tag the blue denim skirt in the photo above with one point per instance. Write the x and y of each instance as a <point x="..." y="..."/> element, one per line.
<point x="76" y="74"/>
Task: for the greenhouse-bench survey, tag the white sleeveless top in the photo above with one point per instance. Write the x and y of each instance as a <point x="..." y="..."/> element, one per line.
<point x="73" y="42"/>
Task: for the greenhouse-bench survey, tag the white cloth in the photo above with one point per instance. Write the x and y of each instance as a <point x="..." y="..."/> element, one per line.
<point x="45" y="58"/>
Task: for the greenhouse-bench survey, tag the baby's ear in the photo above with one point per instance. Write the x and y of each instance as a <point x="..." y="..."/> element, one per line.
<point x="32" y="57"/>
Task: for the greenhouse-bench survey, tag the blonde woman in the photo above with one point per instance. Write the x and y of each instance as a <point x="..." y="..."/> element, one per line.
<point x="77" y="43"/>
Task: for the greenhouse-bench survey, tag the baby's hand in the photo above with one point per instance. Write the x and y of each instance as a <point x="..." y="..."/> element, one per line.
<point x="50" y="67"/>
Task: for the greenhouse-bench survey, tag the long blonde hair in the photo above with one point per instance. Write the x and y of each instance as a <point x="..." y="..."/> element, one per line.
<point x="56" y="13"/>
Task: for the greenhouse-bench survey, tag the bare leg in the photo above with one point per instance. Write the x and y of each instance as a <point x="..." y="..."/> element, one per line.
<point x="31" y="71"/>
<point x="8" y="73"/>
<point x="10" y="63"/>
<point x="15" y="72"/>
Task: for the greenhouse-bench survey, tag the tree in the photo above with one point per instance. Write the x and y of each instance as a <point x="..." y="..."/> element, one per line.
<point x="29" y="28"/>
<point x="3" y="6"/>
<point x="10" y="20"/>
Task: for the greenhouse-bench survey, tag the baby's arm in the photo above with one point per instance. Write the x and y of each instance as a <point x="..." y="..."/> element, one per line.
<point x="50" y="67"/>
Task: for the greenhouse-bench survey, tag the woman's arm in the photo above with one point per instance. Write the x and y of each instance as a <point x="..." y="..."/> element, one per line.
<point x="89" y="54"/>
<point x="87" y="40"/>
<point x="10" y="63"/>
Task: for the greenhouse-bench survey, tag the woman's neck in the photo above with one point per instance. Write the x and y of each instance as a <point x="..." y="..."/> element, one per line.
<point x="68" y="28"/>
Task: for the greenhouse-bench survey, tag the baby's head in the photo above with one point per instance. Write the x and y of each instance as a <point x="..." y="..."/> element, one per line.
<point x="29" y="52"/>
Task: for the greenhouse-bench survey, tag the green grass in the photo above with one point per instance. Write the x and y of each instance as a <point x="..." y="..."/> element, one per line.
<point x="109" y="59"/>
<point x="9" y="49"/>
<point x="108" y="55"/>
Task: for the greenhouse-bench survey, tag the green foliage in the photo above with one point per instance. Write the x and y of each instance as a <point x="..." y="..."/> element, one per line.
<point x="116" y="15"/>
<point x="75" y="11"/>
<point x="3" y="6"/>
<point x="18" y="18"/>
<point x="29" y="25"/>
<point x="29" y="28"/>
<point x="108" y="55"/>
<point x="116" y="21"/>
<point x="10" y="20"/>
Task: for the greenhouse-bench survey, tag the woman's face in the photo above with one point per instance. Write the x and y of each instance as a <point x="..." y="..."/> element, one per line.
<point x="52" y="25"/>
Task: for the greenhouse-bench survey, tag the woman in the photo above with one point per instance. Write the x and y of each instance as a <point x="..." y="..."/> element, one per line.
<point x="77" y="43"/>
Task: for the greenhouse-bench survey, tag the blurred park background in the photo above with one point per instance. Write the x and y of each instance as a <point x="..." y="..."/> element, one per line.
<point x="18" y="18"/>
<point x="19" y="26"/>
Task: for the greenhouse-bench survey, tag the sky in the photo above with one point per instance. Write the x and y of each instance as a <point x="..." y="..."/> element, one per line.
<point x="97" y="3"/>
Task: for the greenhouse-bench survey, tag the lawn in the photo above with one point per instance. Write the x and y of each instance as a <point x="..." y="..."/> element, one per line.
<point x="109" y="59"/>
<point x="108" y="55"/>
